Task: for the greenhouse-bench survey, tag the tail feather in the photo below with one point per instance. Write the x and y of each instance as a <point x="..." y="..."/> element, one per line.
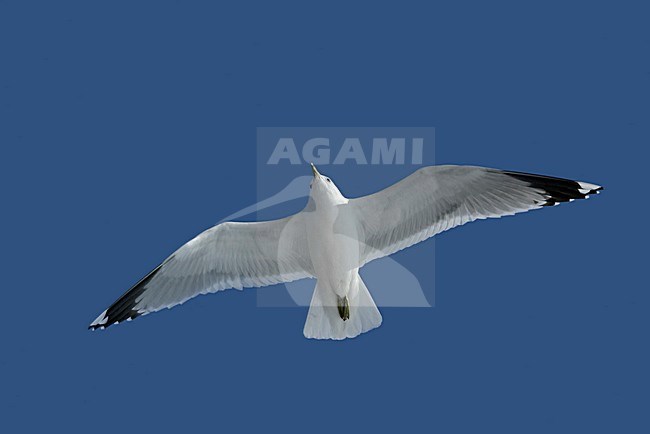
<point x="325" y="322"/>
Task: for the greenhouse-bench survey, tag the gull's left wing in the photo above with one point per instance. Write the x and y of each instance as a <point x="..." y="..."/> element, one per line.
<point x="438" y="198"/>
<point x="228" y="255"/>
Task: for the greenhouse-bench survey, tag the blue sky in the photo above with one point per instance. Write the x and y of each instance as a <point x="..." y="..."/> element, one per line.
<point x="128" y="127"/>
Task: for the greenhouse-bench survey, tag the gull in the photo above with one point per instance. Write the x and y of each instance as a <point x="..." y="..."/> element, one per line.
<point x="333" y="237"/>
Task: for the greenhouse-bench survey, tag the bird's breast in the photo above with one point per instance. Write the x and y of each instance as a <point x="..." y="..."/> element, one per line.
<point x="333" y="245"/>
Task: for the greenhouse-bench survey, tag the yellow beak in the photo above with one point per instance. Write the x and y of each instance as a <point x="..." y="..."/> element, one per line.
<point x="314" y="170"/>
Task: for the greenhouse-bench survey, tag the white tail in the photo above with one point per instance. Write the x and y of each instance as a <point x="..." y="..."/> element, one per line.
<point x="324" y="321"/>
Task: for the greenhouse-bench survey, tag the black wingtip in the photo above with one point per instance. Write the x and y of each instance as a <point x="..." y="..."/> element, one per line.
<point x="557" y="190"/>
<point x="123" y="308"/>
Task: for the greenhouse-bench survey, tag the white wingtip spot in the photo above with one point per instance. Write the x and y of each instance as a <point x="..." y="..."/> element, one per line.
<point x="588" y="187"/>
<point x="101" y="319"/>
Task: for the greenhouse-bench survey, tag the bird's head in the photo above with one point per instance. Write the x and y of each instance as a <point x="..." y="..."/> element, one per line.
<point x="323" y="188"/>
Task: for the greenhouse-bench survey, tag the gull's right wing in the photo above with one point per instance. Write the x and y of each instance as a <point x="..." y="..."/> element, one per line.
<point x="228" y="255"/>
<point x="437" y="198"/>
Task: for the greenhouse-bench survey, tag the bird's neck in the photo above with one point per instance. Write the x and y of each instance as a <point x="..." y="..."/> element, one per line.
<point x="330" y="200"/>
<point x="327" y="205"/>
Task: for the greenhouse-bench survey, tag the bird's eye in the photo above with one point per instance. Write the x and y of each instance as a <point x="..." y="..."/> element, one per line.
<point x="329" y="180"/>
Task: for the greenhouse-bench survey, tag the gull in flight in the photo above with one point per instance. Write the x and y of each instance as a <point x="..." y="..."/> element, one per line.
<point x="333" y="237"/>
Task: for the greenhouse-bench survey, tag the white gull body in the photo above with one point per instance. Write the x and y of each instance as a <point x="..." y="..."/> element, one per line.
<point x="335" y="236"/>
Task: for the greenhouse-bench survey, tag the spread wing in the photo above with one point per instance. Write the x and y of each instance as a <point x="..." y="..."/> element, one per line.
<point x="437" y="198"/>
<point x="228" y="255"/>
